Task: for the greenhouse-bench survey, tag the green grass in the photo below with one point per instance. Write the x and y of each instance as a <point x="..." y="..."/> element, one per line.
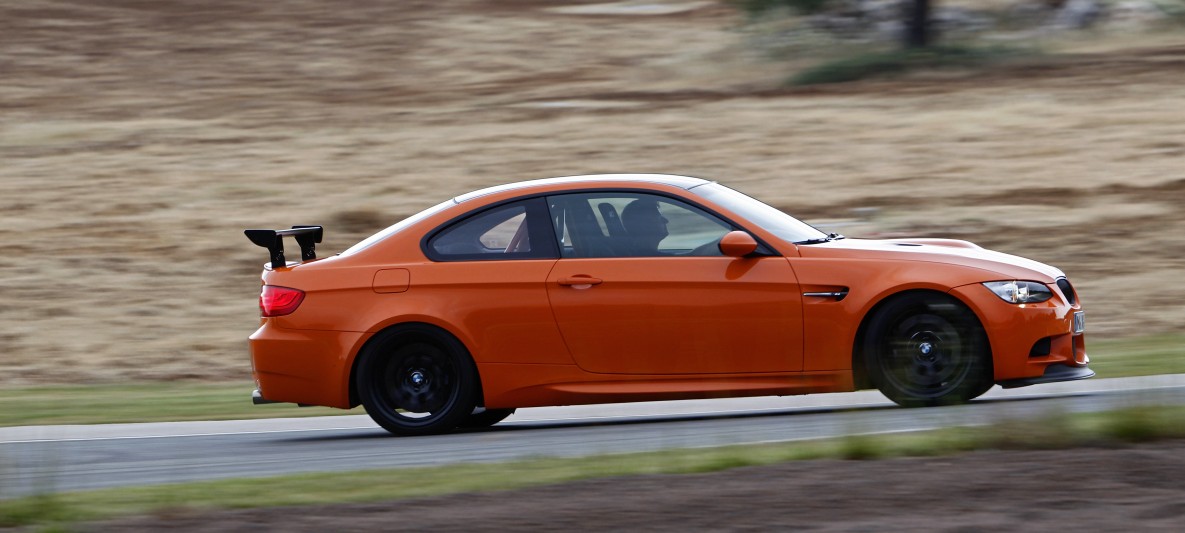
<point x="900" y="61"/>
<point x="1054" y="431"/>
<point x="159" y="402"/>
<point x="1137" y="356"/>
<point x="141" y="402"/>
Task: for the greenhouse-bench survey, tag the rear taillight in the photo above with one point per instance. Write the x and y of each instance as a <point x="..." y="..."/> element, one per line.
<point x="279" y="301"/>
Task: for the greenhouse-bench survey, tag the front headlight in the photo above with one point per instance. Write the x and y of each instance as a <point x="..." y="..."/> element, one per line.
<point x="1020" y="292"/>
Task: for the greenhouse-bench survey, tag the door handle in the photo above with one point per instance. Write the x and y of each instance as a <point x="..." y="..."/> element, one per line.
<point x="579" y="282"/>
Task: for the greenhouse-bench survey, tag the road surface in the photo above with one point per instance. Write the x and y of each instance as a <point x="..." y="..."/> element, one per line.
<point x="65" y="458"/>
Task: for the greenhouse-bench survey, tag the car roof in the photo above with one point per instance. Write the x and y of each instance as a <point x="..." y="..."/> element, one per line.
<point x="683" y="182"/>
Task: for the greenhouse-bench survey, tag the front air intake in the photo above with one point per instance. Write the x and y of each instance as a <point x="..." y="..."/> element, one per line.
<point x="1041" y="348"/>
<point x="1067" y="290"/>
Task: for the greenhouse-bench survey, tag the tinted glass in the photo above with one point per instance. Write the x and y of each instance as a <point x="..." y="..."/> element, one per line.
<point x="771" y="219"/>
<point x="620" y="224"/>
<point x="502" y="230"/>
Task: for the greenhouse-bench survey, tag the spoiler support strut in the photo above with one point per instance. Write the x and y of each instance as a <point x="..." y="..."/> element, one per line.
<point x="306" y="237"/>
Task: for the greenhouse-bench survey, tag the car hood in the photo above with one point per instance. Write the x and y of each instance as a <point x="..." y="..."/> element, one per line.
<point x="945" y="251"/>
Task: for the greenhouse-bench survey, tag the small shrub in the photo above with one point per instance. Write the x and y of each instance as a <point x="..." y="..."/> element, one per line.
<point x="35" y="510"/>
<point x="1050" y="432"/>
<point x="721" y="462"/>
<point x="861" y="448"/>
<point x="896" y="62"/>
<point x="756" y="8"/>
<point x="1141" y="425"/>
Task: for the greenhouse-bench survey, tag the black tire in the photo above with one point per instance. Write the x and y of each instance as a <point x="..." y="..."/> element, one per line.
<point x="926" y="349"/>
<point x="486" y="418"/>
<point x="416" y="381"/>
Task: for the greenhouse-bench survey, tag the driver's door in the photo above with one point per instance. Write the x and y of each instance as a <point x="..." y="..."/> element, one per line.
<point x="682" y="308"/>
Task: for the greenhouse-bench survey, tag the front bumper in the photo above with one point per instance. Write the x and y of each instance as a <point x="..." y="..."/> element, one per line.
<point x="1030" y="343"/>
<point x="1053" y="373"/>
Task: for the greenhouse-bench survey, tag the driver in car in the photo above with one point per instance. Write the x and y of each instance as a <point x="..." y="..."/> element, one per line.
<point x="645" y="227"/>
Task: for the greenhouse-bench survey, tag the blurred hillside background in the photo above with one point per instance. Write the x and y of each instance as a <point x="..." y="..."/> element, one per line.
<point x="138" y="138"/>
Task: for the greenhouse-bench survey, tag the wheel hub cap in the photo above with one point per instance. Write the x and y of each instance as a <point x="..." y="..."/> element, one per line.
<point x="927" y="356"/>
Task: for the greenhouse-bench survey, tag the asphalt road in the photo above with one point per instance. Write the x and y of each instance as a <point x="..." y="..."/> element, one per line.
<point x="65" y="458"/>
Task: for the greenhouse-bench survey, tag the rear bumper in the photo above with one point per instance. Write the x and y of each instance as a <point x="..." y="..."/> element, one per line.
<point x="302" y="366"/>
<point x="1052" y="373"/>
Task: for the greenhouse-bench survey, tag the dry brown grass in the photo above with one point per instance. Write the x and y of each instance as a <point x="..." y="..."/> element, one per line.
<point x="138" y="138"/>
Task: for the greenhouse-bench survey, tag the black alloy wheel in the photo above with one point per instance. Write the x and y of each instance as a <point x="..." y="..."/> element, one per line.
<point x="927" y="349"/>
<point x="485" y="418"/>
<point x="419" y="387"/>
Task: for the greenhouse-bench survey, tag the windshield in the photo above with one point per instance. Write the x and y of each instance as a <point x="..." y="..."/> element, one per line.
<point x="398" y="226"/>
<point x="767" y="217"/>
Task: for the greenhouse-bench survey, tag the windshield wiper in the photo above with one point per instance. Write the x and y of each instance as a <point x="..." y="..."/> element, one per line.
<point x="820" y="240"/>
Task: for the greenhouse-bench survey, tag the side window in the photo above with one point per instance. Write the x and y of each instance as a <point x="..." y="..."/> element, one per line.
<point x="514" y="231"/>
<point x="622" y="224"/>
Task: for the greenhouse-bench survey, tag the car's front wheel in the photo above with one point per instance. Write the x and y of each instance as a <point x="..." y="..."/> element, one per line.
<point x="416" y="385"/>
<point x="927" y="349"/>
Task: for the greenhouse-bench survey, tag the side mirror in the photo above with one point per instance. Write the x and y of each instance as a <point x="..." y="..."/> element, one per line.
<point x="737" y="244"/>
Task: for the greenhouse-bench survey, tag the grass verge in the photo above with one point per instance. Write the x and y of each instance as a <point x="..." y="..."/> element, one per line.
<point x="899" y="62"/>
<point x="142" y="402"/>
<point x="1051" y="432"/>
<point x="163" y="402"/>
<point x="1137" y="356"/>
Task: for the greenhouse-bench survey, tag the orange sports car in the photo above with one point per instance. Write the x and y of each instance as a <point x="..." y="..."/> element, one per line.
<point x="635" y="287"/>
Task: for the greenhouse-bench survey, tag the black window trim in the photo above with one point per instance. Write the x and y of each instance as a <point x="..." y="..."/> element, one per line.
<point x="537" y="207"/>
<point x="543" y="244"/>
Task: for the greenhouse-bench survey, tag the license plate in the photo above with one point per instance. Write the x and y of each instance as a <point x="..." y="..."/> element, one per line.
<point x="1079" y="322"/>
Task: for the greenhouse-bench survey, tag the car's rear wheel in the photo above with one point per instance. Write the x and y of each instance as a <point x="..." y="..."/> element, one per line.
<point x="416" y="385"/>
<point x="927" y="349"/>
<point x="486" y="418"/>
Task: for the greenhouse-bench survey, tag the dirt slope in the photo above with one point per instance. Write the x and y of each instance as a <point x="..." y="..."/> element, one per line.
<point x="1131" y="489"/>
<point x="138" y="138"/>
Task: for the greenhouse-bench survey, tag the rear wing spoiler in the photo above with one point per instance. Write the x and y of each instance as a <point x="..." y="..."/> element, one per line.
<point x="273" y="239"/>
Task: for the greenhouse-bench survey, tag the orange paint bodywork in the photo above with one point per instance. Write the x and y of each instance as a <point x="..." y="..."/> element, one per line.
<point x="649" y="328"/>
